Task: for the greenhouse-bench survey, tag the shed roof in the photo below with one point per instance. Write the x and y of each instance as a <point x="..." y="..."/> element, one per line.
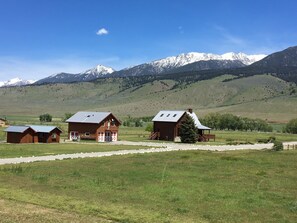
<point x="197" y="122"/>
<point x="88" y="117"/>
<point x="16" y="128"/>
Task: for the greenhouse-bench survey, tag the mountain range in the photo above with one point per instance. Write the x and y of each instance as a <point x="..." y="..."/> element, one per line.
<point x="184" y="62"/>
<point x="264" y="89"/>
<point x="282" y="64"/>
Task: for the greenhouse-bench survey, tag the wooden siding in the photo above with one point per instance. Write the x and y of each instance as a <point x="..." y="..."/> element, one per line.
<point x="29" y="136"/>
<point x="168" y="130"/>
<point x="92" y="129"/>
<point x="25" y="137"/>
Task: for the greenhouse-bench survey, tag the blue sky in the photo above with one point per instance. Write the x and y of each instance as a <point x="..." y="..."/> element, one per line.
<point x="42" y="37"/>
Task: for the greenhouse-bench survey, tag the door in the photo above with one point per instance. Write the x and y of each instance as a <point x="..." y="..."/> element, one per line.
<point x="101" y="137"/>
<point x="108" y="136"/>
<point x="74" y="136"/>
<point x="114" y="136"/>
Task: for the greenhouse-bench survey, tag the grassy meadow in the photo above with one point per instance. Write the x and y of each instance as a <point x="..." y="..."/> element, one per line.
<point x="192" y="186"/>
<point x="260" y="96"/>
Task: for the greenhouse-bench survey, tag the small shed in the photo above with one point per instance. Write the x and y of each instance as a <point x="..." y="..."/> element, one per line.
<point x="33" y="134"/>
<point x="99" y="126"/>
<point x="167" y="125"/>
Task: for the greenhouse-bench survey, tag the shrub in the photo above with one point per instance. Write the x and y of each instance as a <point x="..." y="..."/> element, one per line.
<point x="149" y="127"/>
<point x="291" y="127"/>
<point x="45" y="118"/>
<point x="67" y="116"/>
<point x="277" y="146"/>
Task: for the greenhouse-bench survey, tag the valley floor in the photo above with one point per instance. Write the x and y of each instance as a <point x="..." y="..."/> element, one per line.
<point x="166" y="147"/>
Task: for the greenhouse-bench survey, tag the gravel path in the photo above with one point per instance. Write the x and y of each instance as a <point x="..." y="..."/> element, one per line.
<point x="158" y="147"/>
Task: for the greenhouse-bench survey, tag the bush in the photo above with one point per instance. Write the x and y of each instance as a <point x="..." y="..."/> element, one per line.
<point x="277" y="146"/>
<point x="149" y="127"/>
<point x="291" y="127"/>
<point x="45" y="118"/>
<point x="67" y="116"/>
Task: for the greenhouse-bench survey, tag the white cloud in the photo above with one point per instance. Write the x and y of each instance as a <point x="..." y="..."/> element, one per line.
<point x="102" y="31"/>
<point x="181" y="30"/>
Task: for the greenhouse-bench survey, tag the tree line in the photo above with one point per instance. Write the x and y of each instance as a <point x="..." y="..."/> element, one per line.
<point x="232" y="122"/>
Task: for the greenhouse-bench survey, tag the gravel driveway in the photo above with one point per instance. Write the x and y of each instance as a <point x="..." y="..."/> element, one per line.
<point x="157" y="147"/>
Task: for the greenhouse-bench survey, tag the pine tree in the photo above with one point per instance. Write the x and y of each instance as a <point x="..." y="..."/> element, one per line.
<point x="188" y="131"/>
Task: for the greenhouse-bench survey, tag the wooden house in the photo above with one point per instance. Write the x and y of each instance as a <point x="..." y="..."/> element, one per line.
<point x="167" y="126"/>
<point x="3" y="122"/>
<point x="33" y="134"/>
<point x="99" y="126"/>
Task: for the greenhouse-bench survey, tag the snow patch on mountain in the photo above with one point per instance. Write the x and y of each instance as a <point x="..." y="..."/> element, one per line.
<point x="88" y="75"/>
<point x="187" y="58"/>
<point x="15" y="82"/>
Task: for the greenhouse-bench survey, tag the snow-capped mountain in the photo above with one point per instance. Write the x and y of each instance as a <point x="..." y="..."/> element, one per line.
<point x="169" y="64"/>
<point x="89" y="75"/>
<point x="99" y="70"/>
<point x="15" y="82"/>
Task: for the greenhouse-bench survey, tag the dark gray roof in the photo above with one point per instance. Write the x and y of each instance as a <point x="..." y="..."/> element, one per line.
<point x="16" y="128"/>
<point x="88" y="117"/>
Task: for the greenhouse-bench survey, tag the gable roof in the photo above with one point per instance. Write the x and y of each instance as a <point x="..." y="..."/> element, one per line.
<point x="168" y="116"/>
<point x="89" y="117"/>
<point x="174" y="116"/>
<point x="16" y="128"/>
<point x="35" y="128"/>
<point x="43" y="128"/>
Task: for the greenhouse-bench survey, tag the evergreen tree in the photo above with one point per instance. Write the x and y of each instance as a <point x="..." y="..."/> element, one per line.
<point x="188" y="130"/>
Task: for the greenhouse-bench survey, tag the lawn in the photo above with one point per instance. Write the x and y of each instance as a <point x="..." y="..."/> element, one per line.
<point x="184" y="186"/>
<point x="18" y="150"/>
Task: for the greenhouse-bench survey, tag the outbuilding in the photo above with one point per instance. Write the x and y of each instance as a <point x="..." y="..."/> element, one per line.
<point x="167" y="125"/>
<point x="99" y="126"/>
<point x="33" y="134"/>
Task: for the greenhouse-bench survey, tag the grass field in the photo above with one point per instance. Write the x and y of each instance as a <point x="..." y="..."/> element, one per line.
<point x="192" y="186"/>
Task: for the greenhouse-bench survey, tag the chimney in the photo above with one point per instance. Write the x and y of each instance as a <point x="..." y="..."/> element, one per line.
<point x="190" y="110"/>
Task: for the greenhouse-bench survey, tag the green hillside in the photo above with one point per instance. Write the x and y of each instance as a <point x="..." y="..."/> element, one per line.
<point x="261" y="96"/>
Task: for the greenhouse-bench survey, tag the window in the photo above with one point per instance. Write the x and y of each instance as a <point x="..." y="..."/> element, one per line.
<point x="112" y="122"/>
<point x="87" y="134"/>
<point x="174" y="115"/>
<point x="161" y="115"/>
<point x="54" y="136"/>
<point x="168" y="115"/>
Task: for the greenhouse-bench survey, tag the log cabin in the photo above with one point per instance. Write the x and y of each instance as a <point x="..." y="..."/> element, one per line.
<point x="167" y="126"/>
<point x="33" y="134"/>
<point x="98" y="126"/>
